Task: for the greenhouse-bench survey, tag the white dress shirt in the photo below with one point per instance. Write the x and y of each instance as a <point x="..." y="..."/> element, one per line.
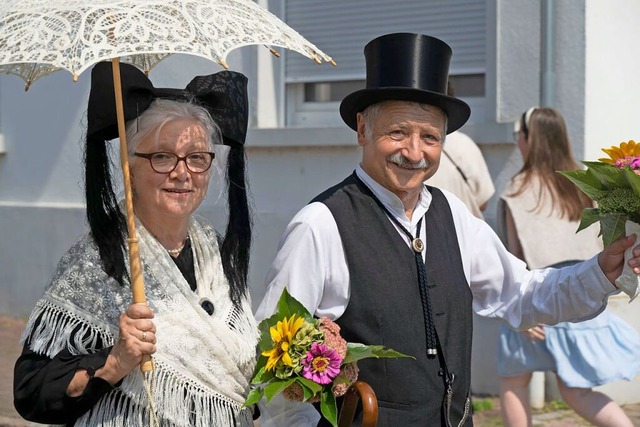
<point x="312" y="265"/>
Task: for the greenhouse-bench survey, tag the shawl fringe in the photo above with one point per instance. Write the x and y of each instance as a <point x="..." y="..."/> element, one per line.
<point x="177" y="403"/>
<point x="59" y="329"/>
<point x="176" y="399"/>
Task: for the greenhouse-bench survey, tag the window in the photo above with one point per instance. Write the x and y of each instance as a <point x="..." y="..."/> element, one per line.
<point x="343" y="27"/>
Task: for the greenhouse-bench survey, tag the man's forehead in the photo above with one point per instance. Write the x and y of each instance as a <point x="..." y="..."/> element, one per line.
<point x="406" y="111"/>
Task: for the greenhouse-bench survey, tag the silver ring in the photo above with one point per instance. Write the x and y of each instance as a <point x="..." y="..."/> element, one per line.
<point x="144" y="335"/>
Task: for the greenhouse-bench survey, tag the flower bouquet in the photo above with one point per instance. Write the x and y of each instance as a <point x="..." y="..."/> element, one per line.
<point x="306" y="359"/>
<point x="614" y="184"/>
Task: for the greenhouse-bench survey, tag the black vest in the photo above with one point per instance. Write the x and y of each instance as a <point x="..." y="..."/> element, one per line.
<point x="385" y="307"/>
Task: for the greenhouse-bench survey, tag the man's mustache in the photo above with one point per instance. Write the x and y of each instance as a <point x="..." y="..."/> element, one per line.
<point x="405" y="163"/>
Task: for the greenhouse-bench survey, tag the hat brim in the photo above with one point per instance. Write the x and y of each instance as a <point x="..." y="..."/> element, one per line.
<point x="457" y="111"/>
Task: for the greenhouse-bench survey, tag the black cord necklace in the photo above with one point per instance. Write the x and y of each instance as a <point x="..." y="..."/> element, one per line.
<point x="418" y="247"/>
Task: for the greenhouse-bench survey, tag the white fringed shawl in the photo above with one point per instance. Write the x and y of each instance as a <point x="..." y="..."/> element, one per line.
<point x="203" y="363"/>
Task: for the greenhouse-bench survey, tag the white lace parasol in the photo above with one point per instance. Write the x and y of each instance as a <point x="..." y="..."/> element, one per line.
<point x="38" y="37"/>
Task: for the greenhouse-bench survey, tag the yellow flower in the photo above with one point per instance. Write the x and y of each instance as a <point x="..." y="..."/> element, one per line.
<point x="620" y="152"/>
<point x="282" y="334"/>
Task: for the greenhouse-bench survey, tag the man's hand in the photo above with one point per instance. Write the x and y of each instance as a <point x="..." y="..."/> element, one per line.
<point x="611" y="259"/>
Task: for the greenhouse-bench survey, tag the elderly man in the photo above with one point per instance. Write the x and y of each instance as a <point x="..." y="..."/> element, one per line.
<point x="404" y="265"/>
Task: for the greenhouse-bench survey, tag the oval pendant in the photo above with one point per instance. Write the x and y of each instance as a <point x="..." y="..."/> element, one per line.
<point x="417" y="244"/>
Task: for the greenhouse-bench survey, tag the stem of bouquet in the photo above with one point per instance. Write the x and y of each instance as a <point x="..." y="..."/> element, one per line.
<point x="629" y="282"/>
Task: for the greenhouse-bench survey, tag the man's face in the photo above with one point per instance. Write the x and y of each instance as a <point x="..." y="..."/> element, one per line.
<point x="402" y="147"/>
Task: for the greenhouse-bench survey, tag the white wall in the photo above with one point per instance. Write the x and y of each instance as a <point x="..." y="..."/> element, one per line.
<point x="612" y="110"/>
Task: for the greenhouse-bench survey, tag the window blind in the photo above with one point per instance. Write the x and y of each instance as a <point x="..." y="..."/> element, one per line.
<point x="341" y="28"/>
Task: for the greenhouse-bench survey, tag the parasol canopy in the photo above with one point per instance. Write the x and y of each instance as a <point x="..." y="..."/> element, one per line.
<point x="38" y="37"/>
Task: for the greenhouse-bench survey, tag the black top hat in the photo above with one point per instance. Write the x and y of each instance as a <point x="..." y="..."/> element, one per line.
<point x="406" y="67"/>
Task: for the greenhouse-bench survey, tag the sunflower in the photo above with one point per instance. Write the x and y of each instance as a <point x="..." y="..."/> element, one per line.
<point x="282" y="335"/>
<point x="621" y="152"/>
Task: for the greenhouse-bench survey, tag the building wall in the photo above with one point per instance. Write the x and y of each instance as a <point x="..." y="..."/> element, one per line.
<point x="612" y="91"/>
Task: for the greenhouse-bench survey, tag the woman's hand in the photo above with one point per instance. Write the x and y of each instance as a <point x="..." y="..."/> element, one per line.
<point x="535" y="334"/>
<point x="136" y="338"/>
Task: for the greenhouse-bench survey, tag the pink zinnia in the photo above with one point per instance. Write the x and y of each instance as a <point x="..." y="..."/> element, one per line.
<point x="321" y="364"/>
<point x="626" y="161"/>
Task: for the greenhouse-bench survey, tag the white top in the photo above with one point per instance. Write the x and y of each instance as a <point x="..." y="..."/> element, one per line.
<point x="545" y="236"/>
<point x="459" y="151"/>
<point x="311" y="263"/>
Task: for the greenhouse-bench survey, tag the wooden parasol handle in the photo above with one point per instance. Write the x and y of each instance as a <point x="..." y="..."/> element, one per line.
<point x="137" y="281"/>
<point x="363" y="391"/>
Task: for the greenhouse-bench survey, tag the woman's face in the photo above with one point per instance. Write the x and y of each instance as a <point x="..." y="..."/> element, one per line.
<point x="163" y="197"/>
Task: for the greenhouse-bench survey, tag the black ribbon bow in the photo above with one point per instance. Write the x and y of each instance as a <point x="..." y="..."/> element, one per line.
<point x="223" y="95"/>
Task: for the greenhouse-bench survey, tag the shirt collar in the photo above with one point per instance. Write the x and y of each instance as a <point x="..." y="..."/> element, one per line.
<point x="393" y="203"/>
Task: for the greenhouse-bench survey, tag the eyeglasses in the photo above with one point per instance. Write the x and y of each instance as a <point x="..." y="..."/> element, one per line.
<point x="163" y="162"/>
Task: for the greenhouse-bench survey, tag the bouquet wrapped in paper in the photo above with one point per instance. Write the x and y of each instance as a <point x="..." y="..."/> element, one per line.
<point x="305" y="359"/>
<point x="614" y="184"/>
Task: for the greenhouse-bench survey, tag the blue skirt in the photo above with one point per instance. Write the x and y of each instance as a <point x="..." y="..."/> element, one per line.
<point x="584" y="354"/>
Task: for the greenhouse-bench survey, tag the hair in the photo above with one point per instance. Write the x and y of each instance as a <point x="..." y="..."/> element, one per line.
<point x="373" y="111"/>
<point x="549" y="151"/>
<point x="163" y="111"/>
<point x="236" y="246"/>
<point x="108" y="223"/>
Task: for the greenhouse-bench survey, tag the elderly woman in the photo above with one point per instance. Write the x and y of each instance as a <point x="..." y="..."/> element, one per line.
<point x="85" y="339"/>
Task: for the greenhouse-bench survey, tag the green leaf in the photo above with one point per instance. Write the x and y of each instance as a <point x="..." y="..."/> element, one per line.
<point x="254" y="397"/>
<point x="275" y="387"/>
<point x="266" y="342"/>
<point x="329" y="408"/>
<point x="589" y="216"/>
<point x="608" y="175"/>
<point x="633" y="180"/>
<point x="612" y="226"/>
<point x="262" y="375"/>
<point x="357" y="351"/>
<point x="310" y="388"/>
<point x="587" y="182"/>
<point x="288" y="305"/>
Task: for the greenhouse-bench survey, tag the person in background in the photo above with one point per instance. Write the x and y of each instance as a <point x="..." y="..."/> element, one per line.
<point x="463" y="171"/>
<point x="84" y="340"/>
<point x="398" y="263"/>
<point x="539" y="213"/>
